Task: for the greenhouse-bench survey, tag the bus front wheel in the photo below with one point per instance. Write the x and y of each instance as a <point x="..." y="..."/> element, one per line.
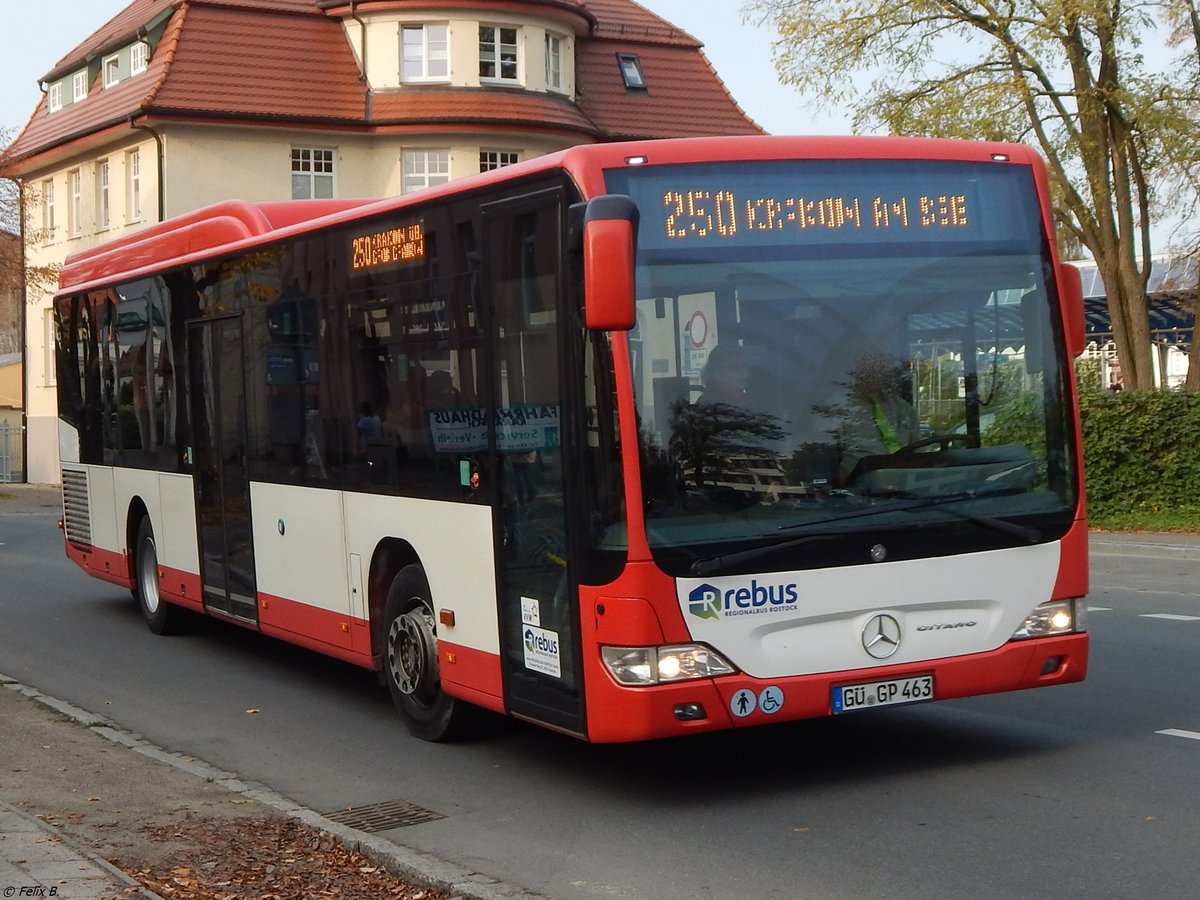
<point x="411" y="662"/>
<point x="162" y="617"/>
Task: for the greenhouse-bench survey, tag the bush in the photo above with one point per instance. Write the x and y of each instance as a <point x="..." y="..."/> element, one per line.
<point x="1141" y="453"/>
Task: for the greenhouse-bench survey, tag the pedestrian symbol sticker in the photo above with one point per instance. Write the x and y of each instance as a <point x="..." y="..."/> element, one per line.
<point x="743" y="703"/>
<point x="770" y="700"/>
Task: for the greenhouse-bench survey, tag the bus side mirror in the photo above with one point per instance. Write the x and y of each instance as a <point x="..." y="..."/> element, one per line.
<point x="609" y="247"/>
<point x="1070" y="292"/>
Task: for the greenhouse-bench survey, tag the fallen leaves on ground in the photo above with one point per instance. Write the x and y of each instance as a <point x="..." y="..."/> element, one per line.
<point x="264" y="859"/>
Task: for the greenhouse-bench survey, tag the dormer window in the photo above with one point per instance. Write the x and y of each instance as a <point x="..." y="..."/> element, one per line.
<point x="631" y="71"/>
<point x="498" y="59"/>
<point x="139" y="57"/>
<point x="79" y="85"/>
<point x="424" y="53"/>
<point x="112" y="70"/>
<point x="54" y="99"/>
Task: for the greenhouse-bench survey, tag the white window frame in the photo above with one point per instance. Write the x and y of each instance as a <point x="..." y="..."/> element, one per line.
<point x="434" y="52"/>
<point x="49" y="331"/>
<point x="314" y="166"/>
<point x="489" y="160"/>
<point x="79" y="85"/>
<point x="498" y="48"/>
<point x="139" y="58"/>
<point x="111" y="67"/>
<point x="103" y="196"/>
<point x="133" y="184"/>
<point x="555" y="44"/>
<point x="48" y="223"/>
<point x="74" y="203"/>
<point x="54" y="97"/>
<point x="423" y="168"/>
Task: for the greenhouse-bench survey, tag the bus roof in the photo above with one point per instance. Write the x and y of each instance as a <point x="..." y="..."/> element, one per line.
<point x="237" y="225"/>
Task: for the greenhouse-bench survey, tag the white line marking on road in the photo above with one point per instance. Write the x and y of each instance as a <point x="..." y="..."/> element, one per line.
<point x="1099" y="609"/>
<point x="1177" y="732"/>
<point x="1171" y="616"/>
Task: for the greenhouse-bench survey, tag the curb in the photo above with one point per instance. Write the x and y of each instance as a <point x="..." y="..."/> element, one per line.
<point x="461" y="883"/>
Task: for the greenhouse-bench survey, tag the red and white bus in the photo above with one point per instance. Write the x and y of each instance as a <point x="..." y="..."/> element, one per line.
<point x="632" y="440"/>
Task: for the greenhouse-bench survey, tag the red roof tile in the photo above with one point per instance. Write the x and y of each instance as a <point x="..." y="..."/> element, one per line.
<point x="481" y="106"/>
<point x="225" y="65"/>
<point x="683" y="95"/>
<point x="287" y="60"/>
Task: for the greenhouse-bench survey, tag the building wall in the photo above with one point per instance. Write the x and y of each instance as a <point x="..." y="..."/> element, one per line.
<point x="382" y="48"/>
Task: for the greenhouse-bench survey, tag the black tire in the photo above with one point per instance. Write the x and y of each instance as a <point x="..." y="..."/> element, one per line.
<point x="161" y="617"/>
<point x="410" y="662"/>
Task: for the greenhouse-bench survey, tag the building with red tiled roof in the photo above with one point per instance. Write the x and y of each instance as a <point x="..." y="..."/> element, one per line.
<point x="175" y="104"/>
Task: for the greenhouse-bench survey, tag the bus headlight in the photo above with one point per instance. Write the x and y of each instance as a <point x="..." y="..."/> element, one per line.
<point x="659" y="665"/>
<point x="1055" y="617"/>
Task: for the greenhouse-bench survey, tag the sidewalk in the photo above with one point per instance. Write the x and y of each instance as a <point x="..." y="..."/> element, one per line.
<point x="37" y="862"/>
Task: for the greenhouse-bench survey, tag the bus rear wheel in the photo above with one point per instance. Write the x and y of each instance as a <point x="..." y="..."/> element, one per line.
<point x="161" y="617"/>
<point x="411" y="662"/>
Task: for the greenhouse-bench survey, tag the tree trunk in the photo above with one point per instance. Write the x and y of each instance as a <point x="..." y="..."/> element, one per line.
<point x="1130" y="320"/>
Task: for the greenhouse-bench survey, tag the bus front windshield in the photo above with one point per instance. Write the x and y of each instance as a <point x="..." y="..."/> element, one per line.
<point x="828" y="353"/>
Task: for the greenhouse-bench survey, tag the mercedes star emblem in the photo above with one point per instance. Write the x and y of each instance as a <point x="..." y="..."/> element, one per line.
<point x="881" y="636"/>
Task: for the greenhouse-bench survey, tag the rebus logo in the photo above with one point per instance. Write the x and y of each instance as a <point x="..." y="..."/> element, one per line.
<point x="709" y="602"/>
<point x="705" y="602"/>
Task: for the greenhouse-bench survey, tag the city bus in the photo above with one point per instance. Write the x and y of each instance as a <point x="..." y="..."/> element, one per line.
<point x="477" y="438"/>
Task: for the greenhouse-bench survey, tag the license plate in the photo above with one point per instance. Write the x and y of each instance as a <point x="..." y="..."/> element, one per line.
<point x="853" y="697"/>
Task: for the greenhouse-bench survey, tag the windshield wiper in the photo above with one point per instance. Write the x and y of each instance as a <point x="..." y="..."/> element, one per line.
<point x="714" y="564"/>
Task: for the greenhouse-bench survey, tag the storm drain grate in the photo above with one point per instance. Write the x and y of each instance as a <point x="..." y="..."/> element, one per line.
<point x="383" y="816"/>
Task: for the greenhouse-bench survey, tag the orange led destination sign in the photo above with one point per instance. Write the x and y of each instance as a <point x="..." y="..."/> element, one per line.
<point x="797" y="203"/>
<point x="705" y="213"/>
<point x="387" y="247"/>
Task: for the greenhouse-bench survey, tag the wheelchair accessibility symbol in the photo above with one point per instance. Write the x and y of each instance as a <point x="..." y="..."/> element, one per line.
<point x="770" y="701"/>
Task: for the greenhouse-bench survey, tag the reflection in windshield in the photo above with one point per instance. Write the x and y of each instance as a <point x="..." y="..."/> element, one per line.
<point x="771" y="391"/>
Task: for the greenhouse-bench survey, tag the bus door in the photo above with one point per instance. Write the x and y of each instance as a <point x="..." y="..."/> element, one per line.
<point x="539" y="608"/>
<point x="218" y="404"/>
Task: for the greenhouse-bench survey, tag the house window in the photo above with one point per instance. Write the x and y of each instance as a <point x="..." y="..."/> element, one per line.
<point x="139" y="57"/>
<point x="49" y="332"/>
<point x="424" y="53"/>
<point x="48" y="212"/>
<point x="424" y="168"/>
<point x="133" y="181"/>
<point x="495" y="159"/>
<point x="54" y="97"/>
<point x="631" y="71"/>
<point x="112" y="70"/>
<point x="498" y="53"/>
<point x="74" y="203"/>
<point x="102" y="205"/>
<point x="312" y="173"/>
<point x="79" y="85"/>
<point x="554" y="48"/>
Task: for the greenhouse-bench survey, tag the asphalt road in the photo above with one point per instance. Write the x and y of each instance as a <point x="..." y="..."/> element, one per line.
<point x="1087" y="790"/>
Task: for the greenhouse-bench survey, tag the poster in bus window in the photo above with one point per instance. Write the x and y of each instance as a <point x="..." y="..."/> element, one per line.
<point x="521" y="429"/>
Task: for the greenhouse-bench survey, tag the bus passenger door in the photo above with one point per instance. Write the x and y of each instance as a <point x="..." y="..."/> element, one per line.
<point x="539" y="609"/>
<point x="218" y="413"/>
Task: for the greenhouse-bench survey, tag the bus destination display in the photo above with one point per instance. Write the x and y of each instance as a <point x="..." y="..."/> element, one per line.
<point x="807" y="202"/>
<point x="389" y="246"/>
<point x="700" y="214"/>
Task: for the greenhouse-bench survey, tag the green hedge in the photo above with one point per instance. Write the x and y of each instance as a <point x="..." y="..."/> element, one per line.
<point x="1141" y="452"/>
